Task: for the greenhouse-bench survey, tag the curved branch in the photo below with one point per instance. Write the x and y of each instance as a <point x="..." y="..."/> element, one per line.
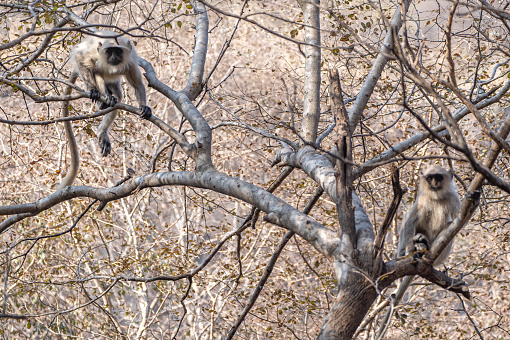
<point x="396" y="269"/>
<point x="43" y="99"/>
<point x="183" y="103"/>
<point x="283" y="214"/>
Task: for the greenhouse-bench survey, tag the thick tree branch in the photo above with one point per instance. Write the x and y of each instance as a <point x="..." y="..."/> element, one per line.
<point x="312" y="76"/>
<point x="38" y="98"/>
<point x="194" y="86"/>
<point x="202" y="129"/>
<point x="396" y="269"/>
<point x="343" y="151"/>
<point x="279" y="212"/>
<point x="320" y="169"/>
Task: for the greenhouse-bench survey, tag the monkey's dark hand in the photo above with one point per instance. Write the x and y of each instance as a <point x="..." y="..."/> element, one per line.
<point x="95" y="95"/>
<point x="110" y="100"/>
<point x="104" y="144"/>
<point x="146" y="112"/>
<point x="421" y="244"/>
<point x="473" y="195"/>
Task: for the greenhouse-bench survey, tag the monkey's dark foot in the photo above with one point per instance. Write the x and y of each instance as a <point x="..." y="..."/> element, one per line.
<point x="146" y="112"/>
<point x="110" y="100"/>
<point x="104" y="144"/>
<point x="473" y="195"/>
<point x="95" y="95"/>
<point x="421" y="244"/>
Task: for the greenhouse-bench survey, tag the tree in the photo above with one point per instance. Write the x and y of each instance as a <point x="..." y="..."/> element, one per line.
<point x="296" y="119"/>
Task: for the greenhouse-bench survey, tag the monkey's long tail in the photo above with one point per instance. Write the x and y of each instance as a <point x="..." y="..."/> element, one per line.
<point x="406" y="282"/>
<point x="71" y="140"/>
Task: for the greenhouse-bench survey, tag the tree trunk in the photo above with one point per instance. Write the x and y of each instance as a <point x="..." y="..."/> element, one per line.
<point x="353" y="301"/>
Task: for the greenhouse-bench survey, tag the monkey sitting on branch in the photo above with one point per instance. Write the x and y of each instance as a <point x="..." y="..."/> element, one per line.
<point x="100" y="61"/>
<point x="437" y="206"/>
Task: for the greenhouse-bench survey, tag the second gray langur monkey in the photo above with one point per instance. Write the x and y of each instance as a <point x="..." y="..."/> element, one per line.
<point x="101" y="62"/>
<point x="437" y="206"/>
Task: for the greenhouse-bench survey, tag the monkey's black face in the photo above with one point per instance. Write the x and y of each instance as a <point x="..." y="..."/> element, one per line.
<point x="435" y="181"/>
<point x="114" y="55"/>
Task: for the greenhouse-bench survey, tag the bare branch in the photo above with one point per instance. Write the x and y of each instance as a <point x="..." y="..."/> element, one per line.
<point x="378" y="65"/>
<point x="471" y="202"/>
<point x="194" y="86"/>
<point x="269" y="268"/>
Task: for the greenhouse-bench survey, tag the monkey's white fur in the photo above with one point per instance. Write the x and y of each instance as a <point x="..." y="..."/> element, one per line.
<point x="89" y="59"/>
<point x="435" y="208"/>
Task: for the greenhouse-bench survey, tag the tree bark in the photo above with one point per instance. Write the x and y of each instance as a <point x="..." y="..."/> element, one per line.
<point x="312" y="76"/>
<point x="353" y="301"/>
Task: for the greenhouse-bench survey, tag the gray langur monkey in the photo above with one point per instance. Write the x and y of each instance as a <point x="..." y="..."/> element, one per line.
<point x="437" y="206"/>
<point x="101" y="62"/>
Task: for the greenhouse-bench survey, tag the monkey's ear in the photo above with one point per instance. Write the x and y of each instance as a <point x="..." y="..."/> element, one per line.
<point x="129" y="45"/>
<point x="99" y="44"/>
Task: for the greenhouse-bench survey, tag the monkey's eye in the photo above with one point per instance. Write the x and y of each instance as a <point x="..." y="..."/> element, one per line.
<point x="435" y="177"/>
<point x="114" y="51"/>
